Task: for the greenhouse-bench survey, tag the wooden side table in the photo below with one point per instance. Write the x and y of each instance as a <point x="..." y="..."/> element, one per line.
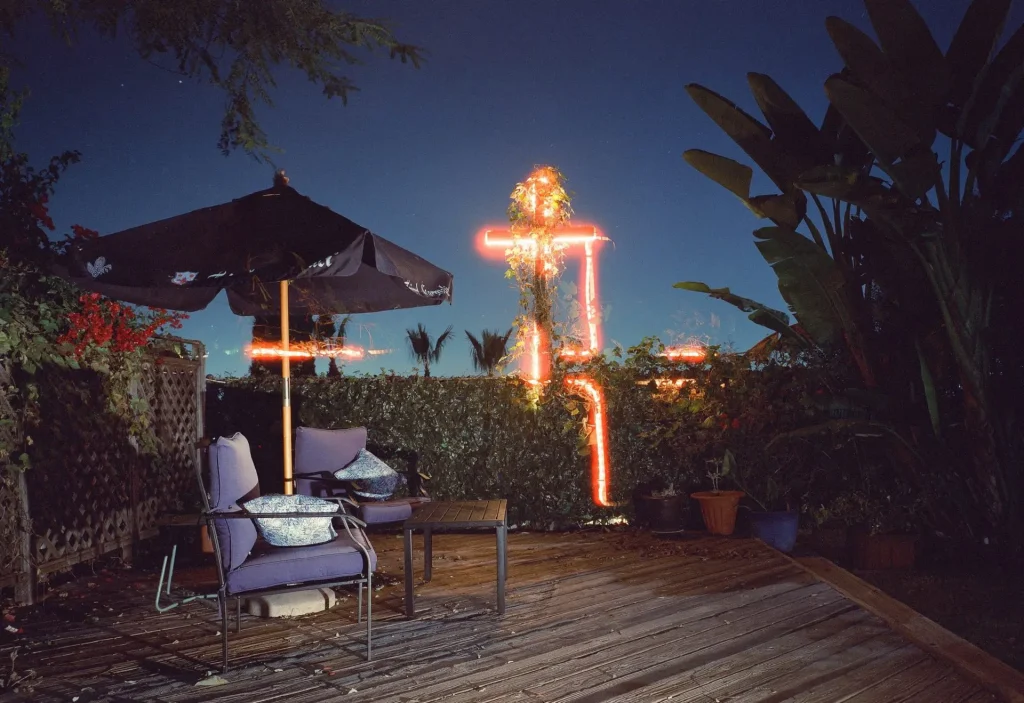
<point x="458" y="516"/>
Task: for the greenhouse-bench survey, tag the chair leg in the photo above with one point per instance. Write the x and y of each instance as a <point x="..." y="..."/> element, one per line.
<point x="369" y="617"/>
<point x="359" y="607"/>
<point x="223" y="600"/>
<point x="238" y="614"/>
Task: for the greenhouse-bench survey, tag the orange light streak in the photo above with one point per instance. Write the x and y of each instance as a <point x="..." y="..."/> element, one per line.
<point x="599" y="465"/>
<point x="303" y="351"/>
<point x="685" y="353"/>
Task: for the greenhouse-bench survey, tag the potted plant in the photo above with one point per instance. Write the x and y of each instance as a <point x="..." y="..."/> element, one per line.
<point x="772" y="519"/>
<point x="718" y="507"/>
<point x="884" y="538"/>
<point x="663" y="508"/>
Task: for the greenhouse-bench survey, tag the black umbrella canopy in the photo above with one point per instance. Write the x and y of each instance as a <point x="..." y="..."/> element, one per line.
<point x="183" y="262"/>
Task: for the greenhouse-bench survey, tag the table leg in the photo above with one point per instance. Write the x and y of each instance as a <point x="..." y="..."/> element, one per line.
<point x="410" y="606"/>
<point x="428" y="554"/>
<point x="502" y="566"/>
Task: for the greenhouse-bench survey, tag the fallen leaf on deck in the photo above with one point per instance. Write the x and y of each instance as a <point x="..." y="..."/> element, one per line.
<point x="212" y="681"/>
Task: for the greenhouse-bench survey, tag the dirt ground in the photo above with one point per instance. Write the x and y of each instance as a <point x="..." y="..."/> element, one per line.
<point x="962" y="588"/>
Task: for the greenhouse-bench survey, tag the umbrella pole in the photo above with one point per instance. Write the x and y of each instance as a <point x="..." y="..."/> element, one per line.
<point x="286" y="392"/>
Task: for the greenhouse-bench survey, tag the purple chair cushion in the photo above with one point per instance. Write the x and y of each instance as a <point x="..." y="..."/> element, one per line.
<point x="233" y="476"/>
<point x="385" y="511"/>
<point x="232" y="480"/>
<point x="236" y="538"/>
<point x="322" y="562"/>
<point x="327" y="450"/>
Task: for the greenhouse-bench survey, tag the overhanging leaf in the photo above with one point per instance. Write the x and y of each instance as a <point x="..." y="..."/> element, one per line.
<point x="870" y="67"/>
<point x="889" y="139"/>
<point x="911" y="48"/>
<point x="775" y="320"/>
<point x="1000" y="79"/>
<point x="731" y="175"/>
<point x="752" y="136"/>
<point x="973" y="45"/>
<point x="810" y="281"/>
<point x="793" y="130"/>
<point x="930" y="394"/>
<point x="848" y="428"/>
<point x="788" y="209"/>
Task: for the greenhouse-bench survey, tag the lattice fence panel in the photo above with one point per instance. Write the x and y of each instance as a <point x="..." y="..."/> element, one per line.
<point x="90" y="491"/>
<point x="80" y="481"/>
<point x="169" y="483"/>
<point x="11" y="519"/>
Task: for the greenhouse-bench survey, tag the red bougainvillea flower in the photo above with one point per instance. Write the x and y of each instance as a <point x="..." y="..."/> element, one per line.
<point x="100" y="323"/>
<point x="83" y="233"/>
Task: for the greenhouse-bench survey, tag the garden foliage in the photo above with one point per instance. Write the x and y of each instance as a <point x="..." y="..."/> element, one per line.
<point x="483" y="437"/>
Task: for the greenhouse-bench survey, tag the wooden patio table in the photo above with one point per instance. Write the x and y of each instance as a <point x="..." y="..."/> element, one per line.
<point x="457" y="516"/>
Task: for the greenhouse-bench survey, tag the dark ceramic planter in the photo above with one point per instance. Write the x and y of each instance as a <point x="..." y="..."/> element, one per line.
<point x="664" y="514"/>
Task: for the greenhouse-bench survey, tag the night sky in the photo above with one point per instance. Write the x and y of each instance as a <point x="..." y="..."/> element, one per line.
<point x="427" y="157"/>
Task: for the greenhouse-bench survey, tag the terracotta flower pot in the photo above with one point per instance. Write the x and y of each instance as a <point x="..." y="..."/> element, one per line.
<point x="719" y="510"/>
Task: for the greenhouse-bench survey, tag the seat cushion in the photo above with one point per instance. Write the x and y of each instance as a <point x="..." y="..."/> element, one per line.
<point x="385" y="511"/>
<point x="326" y="450"/>
<point x="293" y="531"/>
<point x="277" y="566"/>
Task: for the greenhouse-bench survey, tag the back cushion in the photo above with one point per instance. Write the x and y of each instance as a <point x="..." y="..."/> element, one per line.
<point x="237" y="537"/>
<point x="233" y="476"/>
<point x="327" y="450"/>
<point x="233" y="480"/>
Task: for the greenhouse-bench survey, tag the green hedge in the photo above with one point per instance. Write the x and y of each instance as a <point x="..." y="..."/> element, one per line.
<point x="487" y="437"/>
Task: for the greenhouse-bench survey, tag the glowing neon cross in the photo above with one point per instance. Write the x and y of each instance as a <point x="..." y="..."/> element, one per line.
<point x="564" y="239"/>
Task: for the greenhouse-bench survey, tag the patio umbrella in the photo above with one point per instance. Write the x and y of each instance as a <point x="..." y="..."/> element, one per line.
<point x="273" y="250"/>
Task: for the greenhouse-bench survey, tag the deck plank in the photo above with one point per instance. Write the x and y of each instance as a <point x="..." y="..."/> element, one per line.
<point x="591" y="618"/>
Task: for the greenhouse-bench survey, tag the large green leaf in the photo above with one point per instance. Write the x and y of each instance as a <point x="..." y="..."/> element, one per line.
<point x="810" y="281"/>
<point x="731" y="175"/>
<point x="888" y="138"/>
<point x="847" y="149"/>
<point x="793" y="130"/>
<point x="869" y="66"/>
<point x="911" y="48"/>
<point x="1000" y="80"/>
<point x="973" y="45"/>
<point x="752" y="136"/>
<point x="775" y="320"/>
<point x="788" y="209"/>
<point x="930" y="394"/>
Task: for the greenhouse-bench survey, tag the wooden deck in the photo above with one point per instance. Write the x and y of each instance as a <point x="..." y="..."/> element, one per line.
<point x="591" y="617"/>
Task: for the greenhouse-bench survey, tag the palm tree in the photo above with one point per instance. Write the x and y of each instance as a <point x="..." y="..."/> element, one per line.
<point x="489" y="351"/>
<point x="425" y="350"/>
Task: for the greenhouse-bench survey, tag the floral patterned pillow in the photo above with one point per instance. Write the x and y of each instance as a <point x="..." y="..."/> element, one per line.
<point x="293" y="531"/>
<point x="370" y="477"/>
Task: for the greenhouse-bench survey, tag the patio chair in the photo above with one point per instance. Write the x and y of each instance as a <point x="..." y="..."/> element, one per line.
<point x="319" y="453"/>
<point x="247" y="568"/>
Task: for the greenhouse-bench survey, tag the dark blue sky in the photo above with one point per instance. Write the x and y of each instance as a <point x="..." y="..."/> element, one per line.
<point x="426" y="158"/>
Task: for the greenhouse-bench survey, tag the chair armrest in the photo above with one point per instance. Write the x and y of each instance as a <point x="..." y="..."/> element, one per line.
<point x="345" y="517"/>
